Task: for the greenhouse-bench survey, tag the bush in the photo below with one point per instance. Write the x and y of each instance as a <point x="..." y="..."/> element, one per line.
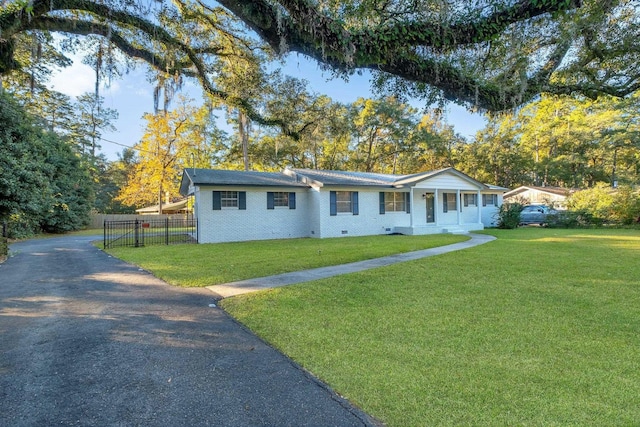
<point x="602" y="205"/>
<point x="43" y="184"/>
<point x="625" y="208"/>
<point x="574" y="219"/>
<point x="509" y="215"/>
<point x="22" y="226"/>
<point x="4" y="248"/>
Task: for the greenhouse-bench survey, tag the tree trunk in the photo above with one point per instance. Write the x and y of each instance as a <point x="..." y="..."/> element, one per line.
<point x="243" y="127"/>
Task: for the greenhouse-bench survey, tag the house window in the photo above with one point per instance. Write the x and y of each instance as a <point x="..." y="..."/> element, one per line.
<point x="489" y="199"/>
<point x="281" y="199"/>
<point x="343" y="202"/>
<point x="229" y="200"/>
<point x="394" y="202"/>
<point x="449" y="202"/>
<point x="471" y="200"/>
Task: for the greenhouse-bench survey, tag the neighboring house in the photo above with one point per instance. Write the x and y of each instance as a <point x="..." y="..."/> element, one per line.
<point x="239" y="206"/>
<point x="528" y="195"/>
<point x="179" y="207"/>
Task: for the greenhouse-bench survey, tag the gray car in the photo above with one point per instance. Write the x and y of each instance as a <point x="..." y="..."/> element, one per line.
<point x="535" y="214"/>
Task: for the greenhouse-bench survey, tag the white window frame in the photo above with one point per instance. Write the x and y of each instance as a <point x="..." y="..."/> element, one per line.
<point x="229" y="199"/>
<point x="344" y="206"/>
<point x="397" y="202"/>
<point x="471" y="199"/>
<point x="281" y="199"/>
<point x="490" y="199"/>
<point x="451" y="201"/>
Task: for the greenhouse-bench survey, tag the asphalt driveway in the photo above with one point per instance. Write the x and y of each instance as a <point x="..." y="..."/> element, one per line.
<point x="90" y="340"/>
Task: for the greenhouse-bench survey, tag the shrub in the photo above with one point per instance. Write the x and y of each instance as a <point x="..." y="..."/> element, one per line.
<point x="43" y="183"/>
<point x="509" y="215"/>
<point x="573" y="219"/>
<point x="625" y="208"/>
<point x="603" y="205"/>
<point x="4" y="248"/>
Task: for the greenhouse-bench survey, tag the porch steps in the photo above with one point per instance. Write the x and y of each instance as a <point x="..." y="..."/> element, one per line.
<point x="454" y="230"/>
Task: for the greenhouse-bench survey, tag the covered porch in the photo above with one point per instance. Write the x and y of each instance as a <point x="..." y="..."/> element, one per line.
<point x="443" y="210"/>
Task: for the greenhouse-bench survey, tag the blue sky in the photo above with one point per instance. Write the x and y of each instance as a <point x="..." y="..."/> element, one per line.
<point x="132" y="97"/>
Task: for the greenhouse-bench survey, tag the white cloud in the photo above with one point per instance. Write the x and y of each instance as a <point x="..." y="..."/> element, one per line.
<point x="79" y="78"/>
<point x="74" y="80"/>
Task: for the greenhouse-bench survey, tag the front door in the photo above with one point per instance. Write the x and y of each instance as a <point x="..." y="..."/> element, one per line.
<point x="431" y="208"/>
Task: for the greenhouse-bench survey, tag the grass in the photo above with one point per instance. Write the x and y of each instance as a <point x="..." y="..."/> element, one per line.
<point x="540" y="327"/>
<point x="211" y="264"/>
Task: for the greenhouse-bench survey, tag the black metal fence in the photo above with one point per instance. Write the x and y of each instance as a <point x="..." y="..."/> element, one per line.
<point x="144" y="232"/>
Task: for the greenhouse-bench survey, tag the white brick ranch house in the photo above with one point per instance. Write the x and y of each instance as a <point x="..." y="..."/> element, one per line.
<point x="239" y="206"/>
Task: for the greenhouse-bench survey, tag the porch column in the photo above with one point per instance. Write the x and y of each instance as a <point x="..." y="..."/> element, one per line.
<point x="458" y="202"/>
<point x="479" y="205"/>
<point x="435" y="207"/>
<point x="412" y="208"/>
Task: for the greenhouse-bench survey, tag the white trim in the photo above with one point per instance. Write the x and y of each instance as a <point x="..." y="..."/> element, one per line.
<point x="458" y="206"/>
<point x="411" y="206"/>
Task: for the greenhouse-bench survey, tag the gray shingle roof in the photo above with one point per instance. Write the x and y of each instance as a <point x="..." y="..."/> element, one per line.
<point x="346" y="178"/>
<point x="229" y="177"/>
<point x="306" y="177"/>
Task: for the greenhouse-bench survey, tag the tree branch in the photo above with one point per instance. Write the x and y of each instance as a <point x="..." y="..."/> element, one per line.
<point x="389" y="48"/>
<point x="64" y="25"/>
<point x="21" y="17"/>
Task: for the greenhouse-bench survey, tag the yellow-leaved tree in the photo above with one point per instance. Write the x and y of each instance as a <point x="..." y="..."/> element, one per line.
<point x="173" y="140"/>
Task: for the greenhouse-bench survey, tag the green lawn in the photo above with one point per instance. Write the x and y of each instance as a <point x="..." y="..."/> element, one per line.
<point x="211" y="264"/>
<point x="540" y="327"/>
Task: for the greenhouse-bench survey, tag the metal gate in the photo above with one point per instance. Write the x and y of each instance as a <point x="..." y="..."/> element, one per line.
<point x="144" y="232"/>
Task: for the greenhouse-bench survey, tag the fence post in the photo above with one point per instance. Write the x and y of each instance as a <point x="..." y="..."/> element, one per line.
<point x="166" y="231"/>
<point x="136" y="234"/>
<point x="104" y="234"/>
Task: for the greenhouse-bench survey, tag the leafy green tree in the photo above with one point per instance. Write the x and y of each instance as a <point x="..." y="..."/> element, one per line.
<point x="24" y="188"/>
<point x="560" y="141"/>
<point x="382" y="135"/>
<point x="438" y="145"/>
<point x="53" y="110"/>
<point x="92" y="119"/>
<point x="207" y="142"/>
<point x="323" y="128"/>
<point x="496" y="155"/>
<point x="72" y="191"/>
<point x="43" y="185"/>
<point x="111" y="176"/>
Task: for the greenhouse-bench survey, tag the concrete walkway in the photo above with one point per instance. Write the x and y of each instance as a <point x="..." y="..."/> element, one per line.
<point x="251" y="285"/>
